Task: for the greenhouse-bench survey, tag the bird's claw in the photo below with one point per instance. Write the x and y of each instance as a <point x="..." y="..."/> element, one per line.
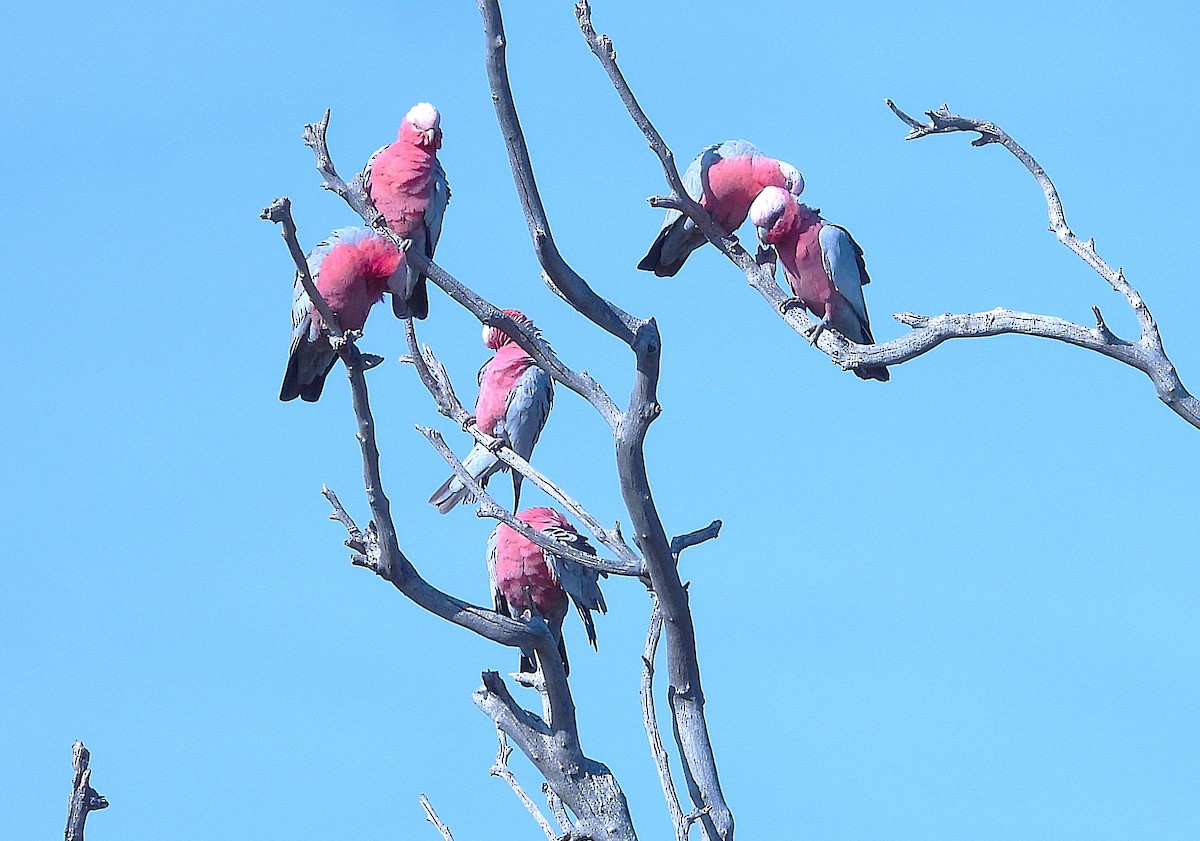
<point x="817" y="330"/>
<point x="788" y="304"/>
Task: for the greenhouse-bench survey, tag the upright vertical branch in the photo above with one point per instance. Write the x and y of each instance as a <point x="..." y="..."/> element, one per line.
<point x="642" y="336"/>
<point x="84" y="798"/>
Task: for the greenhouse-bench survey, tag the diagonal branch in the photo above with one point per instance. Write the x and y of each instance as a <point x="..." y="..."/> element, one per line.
<point x="500" y="769"/>
<point x="488" y="507"/>
<point x="432" y="817"/>
<point x="437" y="381"/>
<point x="84" y="798"/>
<point x="355" y="195"/>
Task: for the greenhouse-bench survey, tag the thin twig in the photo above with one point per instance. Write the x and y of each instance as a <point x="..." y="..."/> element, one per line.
<point x="84" y="798"/>
<point x="437" y="381"/>
<point x="433" y="818"/>
<point x="280" y="212"/>
<point x="650" y="720"/>
<point x="500" y="769"/>
<point x="488" y="507"/>
<point x="554" y="802"/>
<point x="694" y="538"/>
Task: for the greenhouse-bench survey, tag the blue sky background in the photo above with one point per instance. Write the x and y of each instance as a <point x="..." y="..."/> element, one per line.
<point x="958" y="605"/>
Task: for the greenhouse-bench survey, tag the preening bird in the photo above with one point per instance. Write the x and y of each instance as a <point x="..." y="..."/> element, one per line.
<point x="525" y="578"/>
<point x="823" y="265"/>
<point x="408" y="186"/>
<point x="515" y="397"/>
<point x="725" y="178"/>
<point x="351" y="269"/>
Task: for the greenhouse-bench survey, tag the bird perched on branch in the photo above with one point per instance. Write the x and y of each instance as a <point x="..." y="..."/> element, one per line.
<point x="823" y="264"/>
<point x="525" y="578"/>
<point x="515" y="397"/>
<point x="408" y="186"/>
<point x="724" y="179"/>
<point x="351" y="269"/>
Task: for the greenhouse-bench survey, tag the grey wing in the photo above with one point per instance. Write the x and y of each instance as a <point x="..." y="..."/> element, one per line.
<point x="437" y="208"/>
<point x="843" y="260"/>
<point x="581" y="583"/>
<point x="528" y="406"/>
<point x="498" y="600"/>
<point x="364" y="177"/>
<point x="693" y="183"/>
<point x="302" y="306"/>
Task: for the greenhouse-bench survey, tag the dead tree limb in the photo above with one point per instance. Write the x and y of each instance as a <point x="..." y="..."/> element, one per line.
<point x="500" y="769"/>
<point x="553" y="745"/>
<point x="84" y="798"/>
<point x="629" y="432"/>
<point x="432" y="816"/>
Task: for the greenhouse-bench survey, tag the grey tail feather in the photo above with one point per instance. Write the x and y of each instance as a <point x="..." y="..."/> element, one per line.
<point x="562" y="652"/>
<point x="876" y="372"/>
<point x="528" y="665"/>
<point x="653" y="261"/>
<point x="306" y="360"/>
<point x="445" y="499"/>
<point x="588" y="624"/>
<point x="516" y="480"/>
<point x="415" y="307"/>
<point x="418" y="304"/>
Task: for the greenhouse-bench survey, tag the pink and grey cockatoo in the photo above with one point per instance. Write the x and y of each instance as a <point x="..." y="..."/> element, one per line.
<point x="408" y="186"/>
<point x="823" y="265"/>
<point x="527" y="579"/>
<point x="515" y="397"/>
<point x="352" y="269"/>
<point x="724" y="179"/>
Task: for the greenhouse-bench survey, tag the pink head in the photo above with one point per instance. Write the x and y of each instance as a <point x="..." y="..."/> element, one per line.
<point x="423" y="126"/>
<point x="495" y="338"/>
<point x="774" y="214"/>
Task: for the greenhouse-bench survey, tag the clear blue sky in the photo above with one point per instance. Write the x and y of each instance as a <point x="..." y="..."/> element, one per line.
<point x="958" y="605"/>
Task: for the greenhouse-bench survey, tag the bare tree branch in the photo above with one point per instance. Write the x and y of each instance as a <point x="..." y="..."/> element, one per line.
<point x="650" y="720"/>
<point x="586" y="786"/>
<point x="437" y="381"/>
<point x="433" y="818"/>
<point x="1147" y="354"/>
<point x="488" y="507"/>
<point x="694" y="538"/>
<point x="84" y="798"/>
<point x="355" y="195"/>
<point x="500" y="769"/>
<point x="280" y="212"/>
<point x="565" y="824"/>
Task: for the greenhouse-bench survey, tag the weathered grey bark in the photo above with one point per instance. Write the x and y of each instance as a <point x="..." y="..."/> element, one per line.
<point x="641" y="335"/>
<point x="84" y="798"/>
<point x="585" y="785"/>
<point x="432" y="816"/>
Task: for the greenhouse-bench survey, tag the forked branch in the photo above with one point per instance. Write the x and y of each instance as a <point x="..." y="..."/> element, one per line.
<point x="84" y="798"/>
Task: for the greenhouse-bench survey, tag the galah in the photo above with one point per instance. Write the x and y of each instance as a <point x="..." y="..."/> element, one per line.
<point x="351" y="269"/>
<point x="725" y="178"/>
<point x="527" y="579"/>
<point x="823" y="265"/>
<point x="408" y="186"/>
<point x="515" y="397"/>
